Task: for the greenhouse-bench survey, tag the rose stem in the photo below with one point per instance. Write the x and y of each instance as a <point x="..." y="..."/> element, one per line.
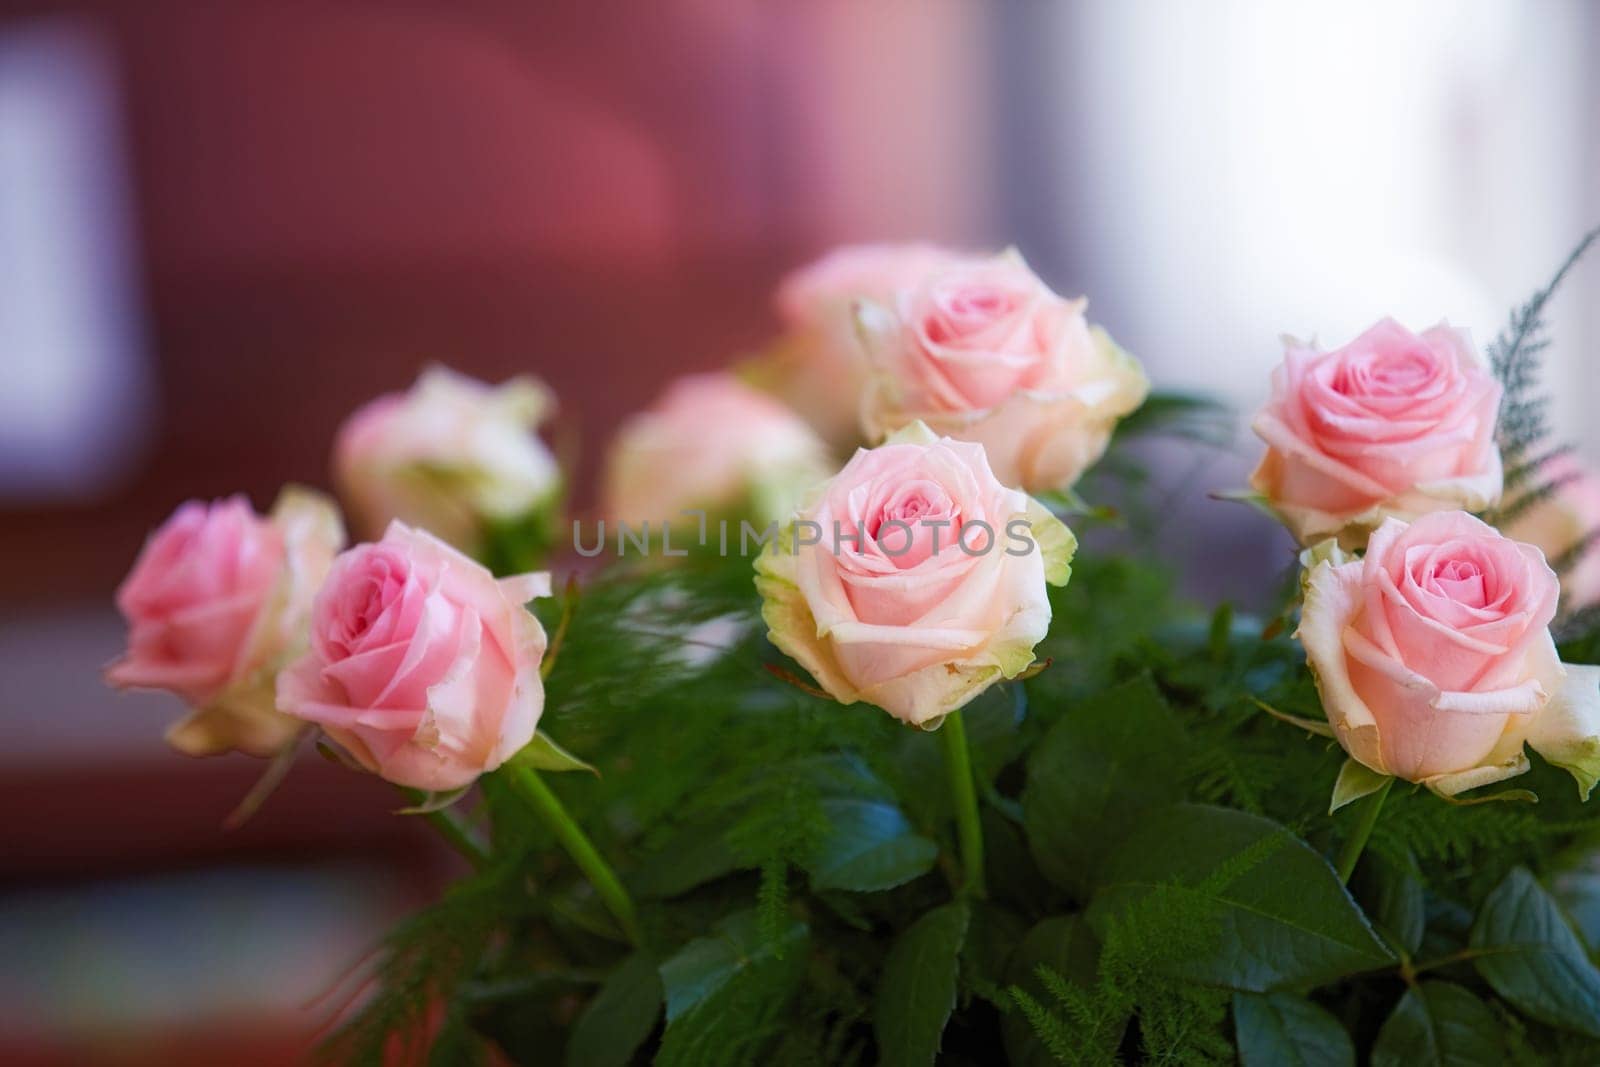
<point x="1365" y="821"/>
<point x="528" y="785"/>
<point x="959" y="763"/>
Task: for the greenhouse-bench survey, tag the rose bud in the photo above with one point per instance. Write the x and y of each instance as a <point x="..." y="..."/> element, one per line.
<point x="1562" y="526"/>
<point x="1394" y="423"/>
<point x="914" y="580"/>
<point x="423" y="666"/>
<point x="216" y="603"/>
<point x="819" y="366"/>
<point x="451" y="455"/>
<point x="984" y="351"/>
<point x="1434" y="658"/>
<point x="714" y="444"/>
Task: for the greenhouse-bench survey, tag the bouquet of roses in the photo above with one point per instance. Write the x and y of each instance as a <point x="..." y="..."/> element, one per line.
<point x="1095" y="825"/>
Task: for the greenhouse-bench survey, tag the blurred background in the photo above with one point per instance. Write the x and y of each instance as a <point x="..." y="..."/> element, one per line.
<point x="223" y="225"/>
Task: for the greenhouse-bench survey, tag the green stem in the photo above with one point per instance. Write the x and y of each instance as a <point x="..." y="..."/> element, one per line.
<point x="958" y="761"/>
<point x="1366" y="819"/>
<point x="459" y="838"/>
<point x="528" y="785"/>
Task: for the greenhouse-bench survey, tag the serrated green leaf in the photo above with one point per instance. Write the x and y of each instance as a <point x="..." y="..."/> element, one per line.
<point x="1530" y="956"/>
<point x="1285" y="1030"/>
<point x="1066" y="945"/>
<point x="543" y="754"/>
<point x="917" y="992"/>
<point x="620" y="1017"/>
<point x="704" y="966"/>
<point x="696" y="854"/>
<point x="1440" y="1024"/>
<point x="1110" y="759"/>
<point x="1267" y="911"/>
<point x="1578" y="892"/>
<point x="1388" y="888"/>
<point x="868" y="846"/>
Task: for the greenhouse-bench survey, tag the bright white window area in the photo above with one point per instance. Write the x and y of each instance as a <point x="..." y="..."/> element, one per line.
<point x="74" y="382"/>
<point x="1246" y="168"/>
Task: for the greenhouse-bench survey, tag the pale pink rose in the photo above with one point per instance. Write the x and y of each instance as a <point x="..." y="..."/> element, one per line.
<point x="887" y="606"/>
<point x="715" y="444"/>
<point x="449" y="455"/>
<point x="1434" y="658"/>
<point x="1394" y="423"/>
<point x="423" y="666"/>
<point x="217" y="601"/>
<point x="984" y="351"/>
<point x="1562" y="522"/>
<point x="819" y="367"/>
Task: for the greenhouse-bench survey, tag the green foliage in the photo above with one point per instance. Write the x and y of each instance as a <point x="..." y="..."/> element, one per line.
<point x="1528" y="953"/>
<point x="1440" y="1024"/>
<point x="1284" y="1030"/>
<point x="918" y="990"/>
<point x="1157" y="850"/>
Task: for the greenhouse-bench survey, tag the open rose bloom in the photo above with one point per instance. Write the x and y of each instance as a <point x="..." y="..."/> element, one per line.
<point x="449" y="455"/>
<point x="423" y="666"/>
<point x="715" y="444"/>
<point x="216" y="603"/>
<point x="1392" y="424"/>
<point x="819" y="367"/>
<point x="887" y="606"/>
<point x="984" y="351"/>
<point x="1435" y="662"/>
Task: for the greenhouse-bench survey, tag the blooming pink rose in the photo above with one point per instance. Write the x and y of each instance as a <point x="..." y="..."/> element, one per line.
<point x="984" y="351"/>
<point x="1562" y="522"/>
<point x="1394" y="423"/>
<point x="449" y="455"/>
<point x="819" y="368"/>
<point x="216" y="602"/>
<point x="423" y="666"/>
<point x="884" y="604"/>
<point x="1434" y="658"/>
<point x="710" y="443"/>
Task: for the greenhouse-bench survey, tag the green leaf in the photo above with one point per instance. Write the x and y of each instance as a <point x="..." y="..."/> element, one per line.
<point x="1237" y="900"/>
<point x="620" y="1016"/>
<point x="1531" y="957"/>
<point x="1440" y="1024"/>
<point x="694" y="855"/>
<point x="426" y="803"/>
<point x="728" y="994"/>
<point x="868" y="846"/>
<point x="543" y="754"/>
<point x="1066" y="945"/>
<point x="1579" y="894"/>
<point x="1355" y="781"/>
<point x="1391" y="892"/>
<point x="1285" y="1030"/>
<point x="917" y="992"/>
<point x="1108" y="761"/>
<point x="705" y="965"/>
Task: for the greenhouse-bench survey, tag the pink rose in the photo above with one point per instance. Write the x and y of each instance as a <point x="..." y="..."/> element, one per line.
<point x="712" y="443"/>
<point x="1434" y="658"/>
<point x="216" y="602"/>
<point x="1562" y="522"/>
<point x="449" y="455"/>
<point x="924" y="582"/>
<point x="1394" y="423"/>
<point x="984" y="351"/>
<point x="820" y="368"/>
<point x="423" y="666"/>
